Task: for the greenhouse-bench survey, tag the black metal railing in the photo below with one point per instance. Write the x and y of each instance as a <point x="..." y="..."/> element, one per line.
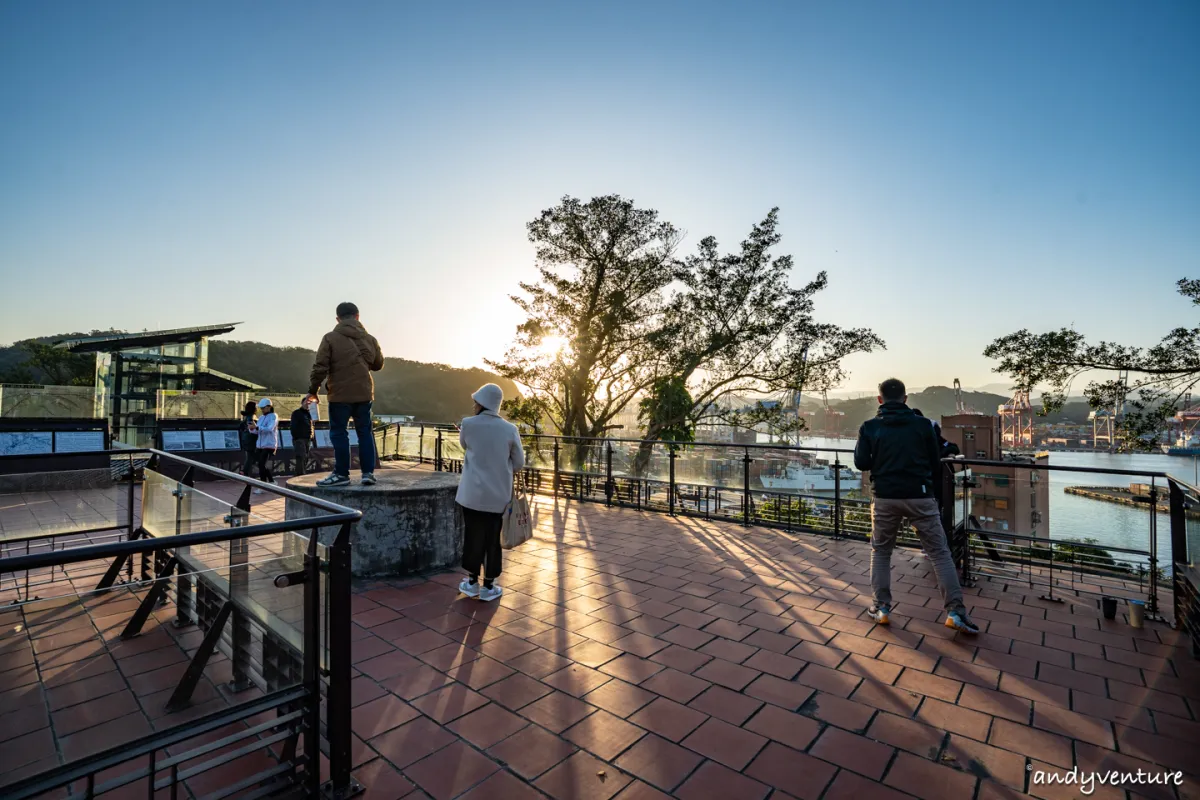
<point x="1142" y="570"/>
<point x="728" y="481"/>
<point x="273" y="602"/>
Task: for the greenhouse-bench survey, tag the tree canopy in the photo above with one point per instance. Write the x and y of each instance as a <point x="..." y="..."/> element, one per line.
<point x="1147" y="383"/>
<point x="616" y="318"/>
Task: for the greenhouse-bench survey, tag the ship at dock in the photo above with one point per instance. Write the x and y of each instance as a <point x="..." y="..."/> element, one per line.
<point x="1184" y="446"/>
<point x="810" y="476"/>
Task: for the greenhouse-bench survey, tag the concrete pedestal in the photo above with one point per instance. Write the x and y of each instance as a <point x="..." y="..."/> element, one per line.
<point x="410" y="520"/>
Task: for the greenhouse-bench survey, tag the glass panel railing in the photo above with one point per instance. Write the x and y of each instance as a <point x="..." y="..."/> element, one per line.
<point x="36" y="504"/>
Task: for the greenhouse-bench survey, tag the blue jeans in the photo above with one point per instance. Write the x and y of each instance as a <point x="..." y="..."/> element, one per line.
<point x="339" y="418"/>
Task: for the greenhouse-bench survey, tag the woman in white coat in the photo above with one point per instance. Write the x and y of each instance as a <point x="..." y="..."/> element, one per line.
<point x="492" y="453"/>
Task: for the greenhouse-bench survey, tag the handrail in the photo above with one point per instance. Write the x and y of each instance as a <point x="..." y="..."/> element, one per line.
<point x="971" y="462"/>
<point x="73" y="555"/>
<point x="254" y="482"/>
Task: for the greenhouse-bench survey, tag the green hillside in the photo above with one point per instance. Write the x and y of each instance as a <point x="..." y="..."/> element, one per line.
<point x="938" y="401"/>
<point x="432" y="392"/>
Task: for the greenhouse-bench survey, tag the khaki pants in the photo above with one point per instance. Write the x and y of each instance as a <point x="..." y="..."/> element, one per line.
<point x="887" y="514"/>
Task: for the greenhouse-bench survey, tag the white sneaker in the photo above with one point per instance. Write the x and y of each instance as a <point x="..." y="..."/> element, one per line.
<point x="257" y="491"/>
<point x="468" y="588"/>
<point x="488" y="595"/>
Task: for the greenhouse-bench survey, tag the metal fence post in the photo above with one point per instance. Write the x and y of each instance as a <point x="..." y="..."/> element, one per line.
<point x="129" y="520"/>
<point x="437" y="452"/>
<point x="421" y="446"/>
<point x="745" y="488"/>
<point x="837" y="495"/>
<point x="1152" y="600"/>
<point x="671" y="456"/>
<point x="608" y="479"/>
<point x="556" y="478"/>
<point x="1179" y="551"/>
<point x="341" y="784"/>
<point x="311" y="666"/>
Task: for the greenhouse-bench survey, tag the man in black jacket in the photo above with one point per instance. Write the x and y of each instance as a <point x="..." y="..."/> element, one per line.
<point x="302" y="436"/>
<point x="901" y="452"/>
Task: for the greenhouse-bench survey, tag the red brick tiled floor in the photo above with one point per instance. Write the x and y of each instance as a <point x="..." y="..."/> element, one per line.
<point x="634" y="655"/>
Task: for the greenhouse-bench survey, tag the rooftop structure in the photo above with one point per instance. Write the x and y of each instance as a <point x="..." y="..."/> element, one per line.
<point x="132" y="368"/>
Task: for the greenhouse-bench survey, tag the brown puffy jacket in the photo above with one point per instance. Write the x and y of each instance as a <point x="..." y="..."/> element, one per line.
<point x="345" y="360"/>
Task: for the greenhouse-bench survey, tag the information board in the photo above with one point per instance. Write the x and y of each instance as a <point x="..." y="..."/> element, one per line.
<point x="323" y="439"/>
<point x="285" y="439"/>
<point x="222" y="440"/>
<point x="78" y="441"/>
<point x="353" y="437"/>
<point x="182" y="440"/>
<point x="26" y="443"/>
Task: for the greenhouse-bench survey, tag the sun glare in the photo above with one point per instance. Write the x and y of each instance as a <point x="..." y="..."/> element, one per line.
<point x="552" y="345"/>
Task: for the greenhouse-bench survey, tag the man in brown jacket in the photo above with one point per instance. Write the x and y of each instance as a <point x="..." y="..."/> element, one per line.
<point x="345" y="360"/>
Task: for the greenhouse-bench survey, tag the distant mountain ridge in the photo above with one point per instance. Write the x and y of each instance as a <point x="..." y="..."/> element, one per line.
<point x="429" y="392"/>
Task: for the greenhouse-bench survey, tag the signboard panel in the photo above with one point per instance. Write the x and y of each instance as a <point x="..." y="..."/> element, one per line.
<point x="26" y="443"/>
<point x="221" y="440"/>
<point x="78" y="441"/>
<point x="182" y="440"/>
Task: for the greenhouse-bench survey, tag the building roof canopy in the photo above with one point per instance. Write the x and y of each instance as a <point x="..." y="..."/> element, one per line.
<point x="111" y="343"/>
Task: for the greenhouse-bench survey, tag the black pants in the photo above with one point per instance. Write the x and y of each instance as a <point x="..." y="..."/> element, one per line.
<point x="264" y="464"/>
<point x="301" y="448"/>
<point x="250" y="455"/>
<point x="481" y="543"/>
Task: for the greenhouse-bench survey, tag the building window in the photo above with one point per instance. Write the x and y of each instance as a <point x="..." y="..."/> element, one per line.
<point x="1000" y="503"/>
<point x="1035" y="517"/>
<point x="1033" y="499"/>
<point x="981" y="454"/>
<point x="969" y="435"/>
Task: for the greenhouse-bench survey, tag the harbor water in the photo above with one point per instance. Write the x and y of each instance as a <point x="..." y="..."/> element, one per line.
<point x="1077" y="518"/>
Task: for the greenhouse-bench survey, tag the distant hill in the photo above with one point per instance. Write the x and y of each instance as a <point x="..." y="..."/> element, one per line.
<point x="431" y="392"/>
<point x="938" y="401"/>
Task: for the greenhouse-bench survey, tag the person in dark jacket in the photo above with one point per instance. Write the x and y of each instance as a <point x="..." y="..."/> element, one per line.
<point x="248" y="440"/>
<point x="901" y="452"/>
<point x="302" y="435"/>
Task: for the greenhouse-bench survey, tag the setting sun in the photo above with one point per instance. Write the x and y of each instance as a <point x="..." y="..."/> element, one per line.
<point x="552" y="345"/>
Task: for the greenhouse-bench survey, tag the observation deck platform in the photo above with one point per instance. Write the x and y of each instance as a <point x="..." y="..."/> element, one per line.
<point x="637" y="655"/>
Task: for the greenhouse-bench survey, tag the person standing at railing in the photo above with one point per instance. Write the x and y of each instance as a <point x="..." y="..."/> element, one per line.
<point x="248" y="440"/>
<point x="492" y="452"/>
<point x="345" y="360"/>
<point x="901" y="451"/>
<point x="267" y="442"/>
<point x="303" y="432"/>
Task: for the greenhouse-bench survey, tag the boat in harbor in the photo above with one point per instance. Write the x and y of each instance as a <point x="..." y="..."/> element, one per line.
<point x="1184" y="446"/>
<point x="801" y="477"/>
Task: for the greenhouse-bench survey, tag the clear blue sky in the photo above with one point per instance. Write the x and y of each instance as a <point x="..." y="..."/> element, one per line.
<point x="962" y="170"/>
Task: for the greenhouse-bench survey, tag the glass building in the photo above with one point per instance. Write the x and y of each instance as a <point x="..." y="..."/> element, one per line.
<point x="131" y="369"/>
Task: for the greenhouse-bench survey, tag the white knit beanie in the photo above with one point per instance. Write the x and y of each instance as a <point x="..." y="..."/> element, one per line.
<point x="490" y="396"/>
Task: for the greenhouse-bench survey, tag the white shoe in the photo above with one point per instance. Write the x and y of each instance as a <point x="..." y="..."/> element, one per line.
<point x="468" y="588"/>
<point x="488" y="595"/>
<point x="258" y="491"/>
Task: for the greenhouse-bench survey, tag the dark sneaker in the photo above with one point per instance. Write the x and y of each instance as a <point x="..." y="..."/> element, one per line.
<point x="959" y="620"/>
<point x="468" y="588"/>
<point x="334" y="480"/>
<point x="368" y="479"/>
<point x="879" y="614"/>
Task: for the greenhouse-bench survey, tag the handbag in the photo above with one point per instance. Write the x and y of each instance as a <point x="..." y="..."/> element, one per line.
<point x="518" y="524"/>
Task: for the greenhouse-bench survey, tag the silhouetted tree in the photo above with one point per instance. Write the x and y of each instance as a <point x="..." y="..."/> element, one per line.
<point x="1157" y="377"/>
